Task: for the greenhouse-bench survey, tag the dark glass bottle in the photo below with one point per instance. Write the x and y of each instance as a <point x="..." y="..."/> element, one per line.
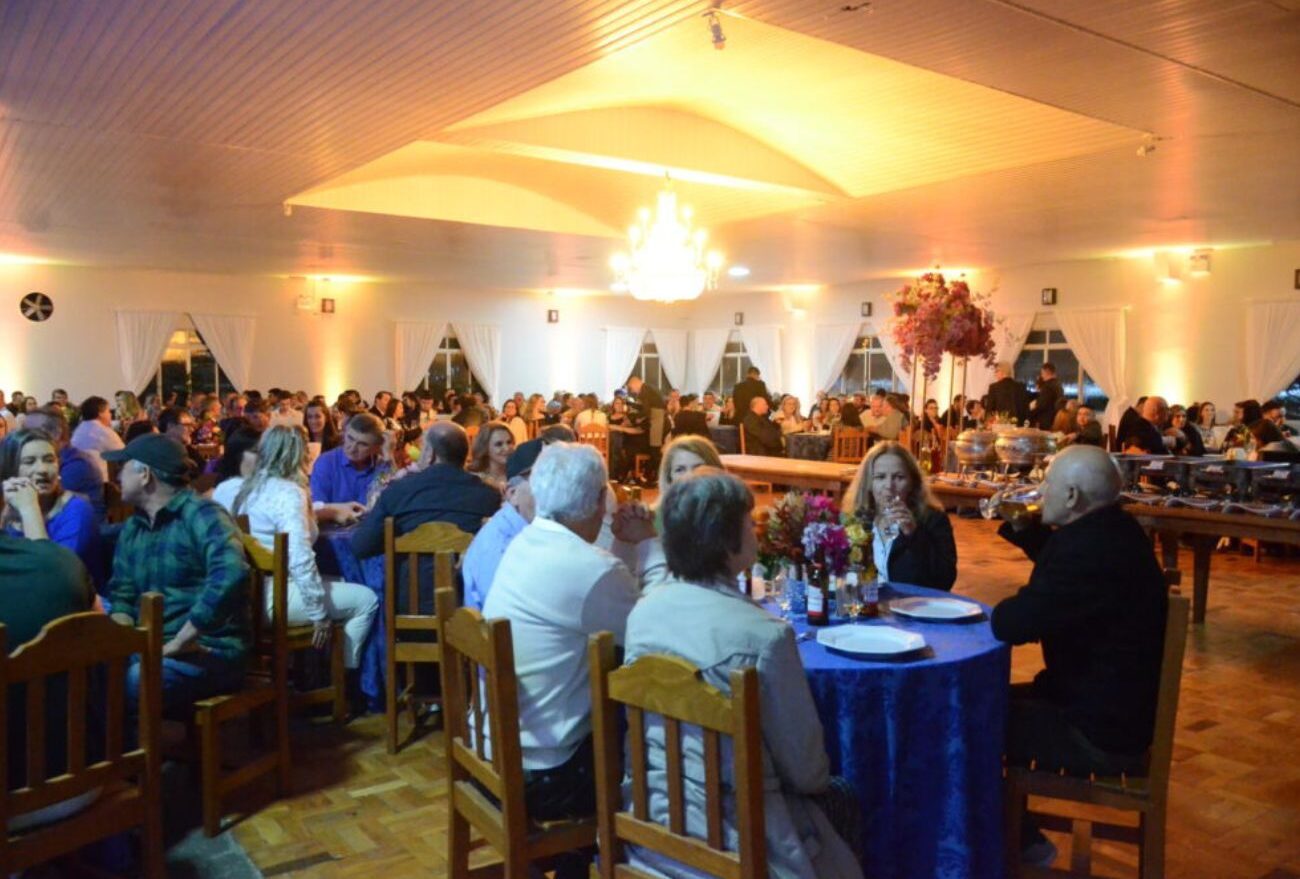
<point x="818" y="596"/>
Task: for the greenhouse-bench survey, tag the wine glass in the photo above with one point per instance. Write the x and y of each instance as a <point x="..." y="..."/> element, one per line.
<point x="783" y="601"/>
<point x="891" y="525"/>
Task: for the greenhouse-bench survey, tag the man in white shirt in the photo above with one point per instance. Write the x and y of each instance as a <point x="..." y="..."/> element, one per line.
<point x="557" y="588"/>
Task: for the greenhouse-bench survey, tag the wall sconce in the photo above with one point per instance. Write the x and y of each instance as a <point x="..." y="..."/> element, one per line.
<point x="327" y="306"/>
<point x="866" y="309"/>
<point x="1049" y="296"/>
<point x="552" y="315"/>
<point x="1198" y="264"/>
<point x="740" y="318"/>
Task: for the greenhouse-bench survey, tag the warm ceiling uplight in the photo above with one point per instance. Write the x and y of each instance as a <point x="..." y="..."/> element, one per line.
<point x="738" y="272"/>
<point x="22" y="259"/>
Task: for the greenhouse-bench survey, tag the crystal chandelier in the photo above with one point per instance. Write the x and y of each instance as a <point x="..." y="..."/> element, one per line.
<point x="666" y="260"/>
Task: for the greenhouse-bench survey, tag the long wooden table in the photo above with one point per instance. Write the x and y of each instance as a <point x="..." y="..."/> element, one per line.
<point x="1202" y="528"/>
<point x="813" y="475"/>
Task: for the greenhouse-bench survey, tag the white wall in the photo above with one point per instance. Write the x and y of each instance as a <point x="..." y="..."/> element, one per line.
<point x="1185" y="342"/>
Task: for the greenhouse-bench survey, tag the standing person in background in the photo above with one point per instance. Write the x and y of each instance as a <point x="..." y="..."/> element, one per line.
<point x="744" y="391"/>
<point x="1050" y="392"/>
<point x="649" y="414"/>
<point x="95" y="434"/>
<point x="1007" y="396"/>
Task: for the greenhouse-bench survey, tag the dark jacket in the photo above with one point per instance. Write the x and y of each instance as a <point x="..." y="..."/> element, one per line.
<point x="440" y="493"/>
<point x="1096" y="601"/>
<point x="762" y="436"/>
<point x="743" y="394"/>
<point x="1149" y="438"/>
<point x="1008" y="395"/>
<point x="1050" y="394"/>
<point x="929" y="556"/>
<point x="1091" y="435"/>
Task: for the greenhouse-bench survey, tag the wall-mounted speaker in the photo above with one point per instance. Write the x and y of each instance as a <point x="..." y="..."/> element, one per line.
<point x="36" y="307"/>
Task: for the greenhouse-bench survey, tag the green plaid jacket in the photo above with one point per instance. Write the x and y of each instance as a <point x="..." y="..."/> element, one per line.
<point x="191" y="553"/>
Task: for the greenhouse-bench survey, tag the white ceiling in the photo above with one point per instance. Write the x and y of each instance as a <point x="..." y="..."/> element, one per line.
<point x="169" y="134"/>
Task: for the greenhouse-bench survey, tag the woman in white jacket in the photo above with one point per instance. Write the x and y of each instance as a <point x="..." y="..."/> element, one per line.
<point x="275" y="499"/>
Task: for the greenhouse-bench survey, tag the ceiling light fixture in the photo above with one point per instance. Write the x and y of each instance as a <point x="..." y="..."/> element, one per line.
<point x="738" y="272"/>
<point x="666" y="259"/>
<point x="715" y="28"/>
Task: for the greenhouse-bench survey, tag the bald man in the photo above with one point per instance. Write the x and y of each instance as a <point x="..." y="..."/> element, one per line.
<point x="1096" y="602"/>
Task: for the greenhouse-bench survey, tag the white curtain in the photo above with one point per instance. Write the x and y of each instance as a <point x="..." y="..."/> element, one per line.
<point x="1272" y="347"/>
<point x="832" y="345"/>
<point x="672" y="348"/>
<point x="622" y="347"/>
<point x="415" y="344"/>
<point x="1097" y="338"/>
<point x="230" y="339"/>
<point x="763" y="344"/>
<point x="1009" y="334"/>
<point x="141" y="340"/>
<point x="893" y="354"/>
<point x="482" y="346"/>
<point x="707" y="348"/>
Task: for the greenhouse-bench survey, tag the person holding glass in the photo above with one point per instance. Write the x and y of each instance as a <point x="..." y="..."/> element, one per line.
<point x="912" y="539"/>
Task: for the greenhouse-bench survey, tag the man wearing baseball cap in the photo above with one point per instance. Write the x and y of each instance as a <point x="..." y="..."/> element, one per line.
<point x="481" y="559"/>
<point x="189" y="550"/>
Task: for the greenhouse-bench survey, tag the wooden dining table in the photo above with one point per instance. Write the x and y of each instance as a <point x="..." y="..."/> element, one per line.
<point x="824" y="476"/>
<point x="1202" y="528"/>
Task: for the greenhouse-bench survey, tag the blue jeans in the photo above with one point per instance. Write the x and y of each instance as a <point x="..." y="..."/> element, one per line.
<point x="186" y="681"/>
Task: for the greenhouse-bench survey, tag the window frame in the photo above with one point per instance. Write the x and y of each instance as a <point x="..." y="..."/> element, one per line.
<point x="194" y="343"/>
<point x="649" y="366"/>
<point x="739" y="359"/>
<point x="448" y="347"/>
<point x="1046" y="323"/>
<point x="840" y="386"/>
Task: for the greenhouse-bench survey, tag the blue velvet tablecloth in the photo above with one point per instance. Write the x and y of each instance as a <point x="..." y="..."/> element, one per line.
<point x="808" y="446"/>
<point x="335" y="558"/>
<point x="726" y="438"/>
<point x="921" y="742"/>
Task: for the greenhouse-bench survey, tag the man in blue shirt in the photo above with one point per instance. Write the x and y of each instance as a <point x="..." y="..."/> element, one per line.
<point x="77" y="472"/>
<point x="341" y="478"/>
<point x="481" y="559"/>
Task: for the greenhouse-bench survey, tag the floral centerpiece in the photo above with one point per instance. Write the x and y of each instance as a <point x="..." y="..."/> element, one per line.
<point x="780" y="532"/>
<point x="804" y="529"/>
<point x="933" y="316"/>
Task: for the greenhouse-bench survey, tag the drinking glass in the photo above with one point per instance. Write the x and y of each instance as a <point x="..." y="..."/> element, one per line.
<point x="891" y="527"/>
<point x="849" y="599"/>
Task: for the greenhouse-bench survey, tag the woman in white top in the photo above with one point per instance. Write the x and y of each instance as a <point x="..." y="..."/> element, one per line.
<point x="275" y="499"/>
<point x="591" y="414"/>
<point x="511" y="418"/>
<point x="788" y="416"/>
<point x="95" y="434"/>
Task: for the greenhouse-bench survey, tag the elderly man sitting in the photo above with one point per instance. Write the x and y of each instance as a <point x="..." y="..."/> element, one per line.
<point x="556" y="588"/>
<point x="762" y="434"/>
<point x="1096" y="601"/>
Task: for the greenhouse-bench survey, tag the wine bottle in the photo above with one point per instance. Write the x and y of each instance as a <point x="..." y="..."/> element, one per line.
<point x="818" y="600"/>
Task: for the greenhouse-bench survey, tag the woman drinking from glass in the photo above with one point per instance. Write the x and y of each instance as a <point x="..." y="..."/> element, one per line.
<point x="912" y="539"/>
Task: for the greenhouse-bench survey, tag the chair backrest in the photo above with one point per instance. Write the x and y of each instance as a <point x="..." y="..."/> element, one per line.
<point x="596" y="435"/>
<point x="670" y="687"/>
<point x="115" y="511"/>
<point x="65" y="655"/>
<point x="441" y="540"/>
<point x="264" y="563"/>
<point x="740" y="437"/>
<point x="848" y="445"/>
<point x="1112" y="441"/>
<point x="1171" y="676"/>
<point x="478" y="686"/>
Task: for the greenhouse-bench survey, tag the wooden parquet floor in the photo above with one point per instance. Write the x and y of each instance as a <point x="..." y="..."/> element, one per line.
<point x="1235" y="811"/>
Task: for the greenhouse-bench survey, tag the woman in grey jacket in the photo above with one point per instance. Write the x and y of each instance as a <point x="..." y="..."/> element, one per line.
<point x="708" y="537"/>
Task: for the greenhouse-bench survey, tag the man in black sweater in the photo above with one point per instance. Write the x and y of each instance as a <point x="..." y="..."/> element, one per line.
<point x="1007" y="396"/>
<point x="762" y="435"/>
<point x="1050" y="394"/>
<point x="745" y="391"/>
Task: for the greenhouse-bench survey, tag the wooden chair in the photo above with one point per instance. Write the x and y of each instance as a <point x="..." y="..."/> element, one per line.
<point x="443" y="541"/>
<point x="265" y="689"/>
<point x="129" y="782"/>
<point x="1146" y="795"/>
<point x="470" y="433"/>
<point x="532" y="427"/>
<point x="671" y="687"/>
<point x="277" y="643"/>
<point x="848" y="445"/>
<point x="478" y="680"/>
<point x="597" y="436"/>
<point x="755" y="485"/>
<point x="115" y="511"/>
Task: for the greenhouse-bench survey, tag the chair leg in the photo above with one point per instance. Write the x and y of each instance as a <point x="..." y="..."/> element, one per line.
<point x="457" y="845"/>
<point x="339" y="677"/>
<point x="1151" y="845"/>
<point x="1014" y="803"/>
<point x="210" y="771"/>
<point x="284" y="775"/>
<point x="390" y="702"/>
<point x="1081" y="848"/>
<point x="152" y="852"/>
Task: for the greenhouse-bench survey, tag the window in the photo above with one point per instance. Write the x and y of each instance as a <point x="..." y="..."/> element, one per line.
<point x="188" y="367"/>
<point x="1291" y="400"/>
<point x="648" y="368"/>
<point x="867" y="370"/>
<point x="1046" y="343"/>
<point x="735" y="363"/>
<point x="450" y="370"/>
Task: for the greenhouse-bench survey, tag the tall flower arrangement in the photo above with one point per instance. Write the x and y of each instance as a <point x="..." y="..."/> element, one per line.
<point x="933" y="316"/>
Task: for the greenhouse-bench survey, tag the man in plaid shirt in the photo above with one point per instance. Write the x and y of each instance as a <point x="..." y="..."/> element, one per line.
<point x="189" y="550"/>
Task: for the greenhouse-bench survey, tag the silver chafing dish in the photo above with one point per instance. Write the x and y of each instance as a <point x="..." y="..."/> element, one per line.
<point x="975" y="448"/>
<point x="1024" y="446"/>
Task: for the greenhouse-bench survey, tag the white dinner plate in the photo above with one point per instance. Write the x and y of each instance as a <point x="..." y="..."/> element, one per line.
<point x="941" y="609"/>
<point x="870" y="641"/>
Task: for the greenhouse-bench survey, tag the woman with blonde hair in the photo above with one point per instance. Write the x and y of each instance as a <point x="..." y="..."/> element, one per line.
<point x="684" y="454"/>
<point x="492" y="447"/>
<point x="276" y="500"/>
<point x="911" y="536"/>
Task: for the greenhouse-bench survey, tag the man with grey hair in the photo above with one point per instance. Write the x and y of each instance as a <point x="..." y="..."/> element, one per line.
<point x="1006" y="395"/>
<point x="557" y="588"/>
<point x="1096" y="601"/>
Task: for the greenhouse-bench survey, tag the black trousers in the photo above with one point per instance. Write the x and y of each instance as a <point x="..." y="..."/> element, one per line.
<point x="1039" y="735"/>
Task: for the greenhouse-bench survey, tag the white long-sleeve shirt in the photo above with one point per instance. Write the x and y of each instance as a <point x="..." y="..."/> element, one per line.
<point x="94" y="438"/>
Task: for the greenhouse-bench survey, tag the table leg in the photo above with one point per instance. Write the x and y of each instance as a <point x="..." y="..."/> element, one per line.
<point x="1169" y="549"/>
<point x="1202" y="552"/>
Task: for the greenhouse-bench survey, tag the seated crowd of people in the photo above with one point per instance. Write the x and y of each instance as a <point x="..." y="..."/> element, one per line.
<point x="555" y="554"/>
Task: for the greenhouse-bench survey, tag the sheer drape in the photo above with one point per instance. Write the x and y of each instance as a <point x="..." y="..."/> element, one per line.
<point x="892" y="353"/>
<point x="230" y="339"/>
<point x="1272" y="347"/>
<point x="763" y="344"/>
<point x="141" y="340"/>
<point x="415" y="343"/>
<point x="481" y="344"/>
<point x="1097" y="338"/>
<point x="672" y="348"/>
<point x="832" y="345"/>
<point x="707" y="348"/>
<point x="622" y="347"/>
